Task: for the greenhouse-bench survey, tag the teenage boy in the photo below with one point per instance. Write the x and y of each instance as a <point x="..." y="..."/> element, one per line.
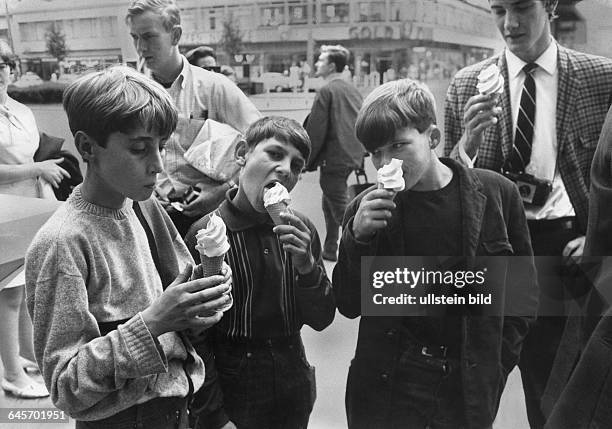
<point x="440" y="372"/>
<point x="198" y="94"/>
<point x="545" y="123"/>
<point x="107" y="277"/>
<point x="279" y="285"/>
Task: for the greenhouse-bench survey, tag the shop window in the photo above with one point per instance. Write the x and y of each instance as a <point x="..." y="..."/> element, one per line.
<point x="272" y="16"/>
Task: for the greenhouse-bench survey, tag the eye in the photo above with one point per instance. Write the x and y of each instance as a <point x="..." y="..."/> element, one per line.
<point x="275" y="155"/>
<point x="398" y="145"/>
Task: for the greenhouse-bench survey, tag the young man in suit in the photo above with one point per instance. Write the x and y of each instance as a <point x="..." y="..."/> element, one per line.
<point x="543" y="128"/>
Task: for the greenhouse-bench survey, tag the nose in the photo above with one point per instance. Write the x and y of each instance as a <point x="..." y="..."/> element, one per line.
<point x="284" y="167"/>
<point x="156" y="165"/>
<point x="140" y="45"/>
<point x="511" y="21"/>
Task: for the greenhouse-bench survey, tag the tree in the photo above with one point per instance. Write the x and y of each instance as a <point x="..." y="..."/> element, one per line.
<point x="56" y="42"/>
<point x="231" y="37"/>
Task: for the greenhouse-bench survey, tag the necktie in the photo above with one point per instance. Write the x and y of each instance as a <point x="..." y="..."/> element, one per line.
<point x="521" y="149"/>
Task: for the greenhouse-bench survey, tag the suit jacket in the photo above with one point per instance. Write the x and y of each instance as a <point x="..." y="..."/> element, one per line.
<point x="584" y="96"/>
<point x="494" y="224"/>
<point x="579" y="390"/>
<point x="331" y="126"/>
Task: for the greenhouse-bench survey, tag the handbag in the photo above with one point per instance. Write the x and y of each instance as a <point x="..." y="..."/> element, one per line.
<point x="361" y="185"/>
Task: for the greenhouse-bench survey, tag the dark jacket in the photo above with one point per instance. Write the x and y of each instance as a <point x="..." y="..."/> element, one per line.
<point x="579" y="391"/>
<point x="331" y="126"/>
<point x="493" y="224"/>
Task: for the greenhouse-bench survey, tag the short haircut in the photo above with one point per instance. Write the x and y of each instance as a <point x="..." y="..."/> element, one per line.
<point x="336" y="54"/>
<point x="283" y="129"/>
<point x="168" y="10"/>
<point x="392" y="106"/>
<point x="6" y="54"/>
<point x="118" y="99"/>
<point x="201" y="52"/>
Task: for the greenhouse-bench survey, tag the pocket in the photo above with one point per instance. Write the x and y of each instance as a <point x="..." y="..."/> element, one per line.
<point x="497" y="247"/>
<point x="230" y="363"/>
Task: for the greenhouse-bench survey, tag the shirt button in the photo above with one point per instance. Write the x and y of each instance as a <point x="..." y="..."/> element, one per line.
<point x="384" y="376"/>
<point x="391" y="332"/>
<point x="266" y="251"/>
<point x="249" y="354"/>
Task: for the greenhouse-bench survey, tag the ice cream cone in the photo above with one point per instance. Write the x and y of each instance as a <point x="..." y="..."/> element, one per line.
<point x="274" y="210"/>
<point x="211" y="266"/>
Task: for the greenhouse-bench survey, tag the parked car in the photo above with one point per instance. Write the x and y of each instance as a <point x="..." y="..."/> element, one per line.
<point x="28" y="79"/>
<point x="273" y="81"/>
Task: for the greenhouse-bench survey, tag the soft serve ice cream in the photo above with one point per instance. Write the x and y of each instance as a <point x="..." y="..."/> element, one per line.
<point x="212" y="245"/>
<point x="276" y="199"/>
<point x="490" y="81"/>
<point x="391" y="176"/>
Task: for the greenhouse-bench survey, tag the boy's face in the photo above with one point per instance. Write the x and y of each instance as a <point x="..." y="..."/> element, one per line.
<point x="524" y="25"/>
<point x="152" y="42"/>
<point x="268" y="162"/>
<point x="126" y="168"/>
<point x="414" y="149"/>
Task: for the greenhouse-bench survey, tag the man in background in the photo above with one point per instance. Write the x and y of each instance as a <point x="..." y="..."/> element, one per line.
<point x="335" y="148"/>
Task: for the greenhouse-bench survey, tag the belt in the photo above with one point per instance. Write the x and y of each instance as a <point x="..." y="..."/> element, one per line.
<point x="261" y="343"/>
<point x="550" y="225"/>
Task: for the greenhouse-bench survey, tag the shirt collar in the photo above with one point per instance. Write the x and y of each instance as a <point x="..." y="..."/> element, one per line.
<point x="237" y="220"/>
<point x="547" y="61"/>
<point x="182" y="78"/>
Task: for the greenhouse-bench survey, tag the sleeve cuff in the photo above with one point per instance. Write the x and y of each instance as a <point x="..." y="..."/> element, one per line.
<point x="311" y="279"/>
<point x="146" y="352"/>
<point x="467" y="161"/>
<point x="351" y="244"/>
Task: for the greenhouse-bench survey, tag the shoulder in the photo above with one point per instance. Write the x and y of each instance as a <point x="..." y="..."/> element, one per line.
<point x="209" y="79"/>
<point x="493" y="181"/>
<point x="19" y="108"/>
<point x="587" y="64"/>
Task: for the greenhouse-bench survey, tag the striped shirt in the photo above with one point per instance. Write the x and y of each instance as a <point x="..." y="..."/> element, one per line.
<point x="271" y="299"/>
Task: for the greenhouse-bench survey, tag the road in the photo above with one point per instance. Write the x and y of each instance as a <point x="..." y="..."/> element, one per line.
<point x="329" y="351"/>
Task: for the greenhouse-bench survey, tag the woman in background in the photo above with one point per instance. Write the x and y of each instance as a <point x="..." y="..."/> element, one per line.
<point x="19" y="175"/>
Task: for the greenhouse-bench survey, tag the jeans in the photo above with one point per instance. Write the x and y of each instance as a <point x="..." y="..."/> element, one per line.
<point x="335" y="199"/>
<point x="426" y="393"/>
<point x="266" y="386"/>
<point x="159" y="413"/>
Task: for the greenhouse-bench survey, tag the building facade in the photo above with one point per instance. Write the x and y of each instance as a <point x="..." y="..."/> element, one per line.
<point x="417" y="38"/>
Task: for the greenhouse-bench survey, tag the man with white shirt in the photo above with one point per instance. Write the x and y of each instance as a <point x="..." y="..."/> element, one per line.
<point x="198" y="94"/>
<point x="542" y="131"/>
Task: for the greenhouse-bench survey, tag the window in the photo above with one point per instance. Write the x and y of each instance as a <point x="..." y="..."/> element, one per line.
<point x="273" y="15"/>
<point x="371" y="11"/>
<point x="334" y="12"/>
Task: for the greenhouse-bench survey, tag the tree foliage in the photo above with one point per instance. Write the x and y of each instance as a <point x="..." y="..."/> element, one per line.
<point x="231" y="37"/>
<point x="56" y="42"/>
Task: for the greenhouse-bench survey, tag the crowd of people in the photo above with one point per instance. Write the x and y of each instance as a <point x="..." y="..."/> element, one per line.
<point x="130" y="328"/>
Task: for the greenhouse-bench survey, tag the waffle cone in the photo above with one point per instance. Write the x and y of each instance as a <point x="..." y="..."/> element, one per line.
<point x="211" y="266"/>
<point x="274" y="210"/>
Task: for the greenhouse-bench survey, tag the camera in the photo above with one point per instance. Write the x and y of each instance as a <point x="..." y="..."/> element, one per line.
<point x="533" y="191"/>
<point x="191" y="194"/>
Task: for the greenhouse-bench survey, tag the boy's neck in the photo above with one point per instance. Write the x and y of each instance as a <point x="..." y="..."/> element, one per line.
<point x="439" y="176"/>
<point x="94" y="193"/>
<point x="242" y="203"/>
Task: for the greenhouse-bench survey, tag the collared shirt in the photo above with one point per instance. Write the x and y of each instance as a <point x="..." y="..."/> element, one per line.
<point x="271" y="299"/>
<point x="543" y="162"/>
<point x="199" y="94"/>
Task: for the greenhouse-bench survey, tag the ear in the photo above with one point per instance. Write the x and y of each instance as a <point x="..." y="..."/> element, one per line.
<point x="240" y="153"/>
<point x="177" y="32"/>
<point x="434" y="137"/>
<point x="85" y="145"/>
